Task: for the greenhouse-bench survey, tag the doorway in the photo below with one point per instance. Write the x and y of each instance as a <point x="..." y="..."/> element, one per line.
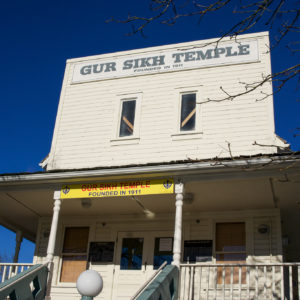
<point x="138" y="255"/>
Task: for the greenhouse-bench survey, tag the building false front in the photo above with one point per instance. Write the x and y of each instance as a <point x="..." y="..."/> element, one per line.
<point x="153" y="160"/>
<point x="165" y="104"/>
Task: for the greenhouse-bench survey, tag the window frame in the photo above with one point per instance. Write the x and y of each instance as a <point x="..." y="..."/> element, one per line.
<point x="69" y="254"/>
<point x="246" y="252"/>
<point x="188" y="117"/>
<point x="62" y="229"/>
<point x="125" y="113"/>
<point x="134" y="138"/>
<point x="231" y="251"/>
<point x="197" y="131"/>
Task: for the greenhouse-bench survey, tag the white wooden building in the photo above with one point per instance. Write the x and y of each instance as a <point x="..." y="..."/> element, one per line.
<point x="153" y="160"/>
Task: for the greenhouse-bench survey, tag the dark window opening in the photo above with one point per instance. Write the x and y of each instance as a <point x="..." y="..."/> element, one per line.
<point x="197" y="251"/>
<point x="127" y="118"/>
<point x="132" y="254"/>
<point x="163" y="251"/>
<point x="188" y="112"/>
<point x="101" y="252"/>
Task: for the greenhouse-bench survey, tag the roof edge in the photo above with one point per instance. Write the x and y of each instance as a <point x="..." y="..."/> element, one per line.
<point x="176" y="166"/>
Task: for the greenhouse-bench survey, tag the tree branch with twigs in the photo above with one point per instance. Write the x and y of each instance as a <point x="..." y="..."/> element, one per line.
<point x="281" y="17"/>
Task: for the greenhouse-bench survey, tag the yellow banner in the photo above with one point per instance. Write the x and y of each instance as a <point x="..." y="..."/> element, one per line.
<point x="117" y="189"/>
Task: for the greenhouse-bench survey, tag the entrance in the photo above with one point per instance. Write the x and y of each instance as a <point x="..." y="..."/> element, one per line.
<point x="139" y="255"/>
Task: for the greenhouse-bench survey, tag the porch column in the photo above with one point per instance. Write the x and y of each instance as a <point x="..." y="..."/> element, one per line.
<point x="19" y="239"/>
<point x="179" y="191"/>
<point x="53" y="230"/>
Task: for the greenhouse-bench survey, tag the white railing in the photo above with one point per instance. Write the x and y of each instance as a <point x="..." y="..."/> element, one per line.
<point x="8" y="270"/>
<point x="237" y="281"/>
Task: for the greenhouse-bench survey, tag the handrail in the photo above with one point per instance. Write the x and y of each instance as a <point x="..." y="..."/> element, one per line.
<point x="9" y="270"/>
<point x="164" y="286"/>
<point x="142" y="288"/>
<point x="30" y="284"/>
<point x="13" y="280"/>
<point x="16" y="264"/>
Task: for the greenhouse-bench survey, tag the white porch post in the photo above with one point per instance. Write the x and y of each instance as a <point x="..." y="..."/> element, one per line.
<point x="52" y="239"/>
<point x="179" y="191"/>
<point x="53" y="230"/>
<point x="19" y="239"/>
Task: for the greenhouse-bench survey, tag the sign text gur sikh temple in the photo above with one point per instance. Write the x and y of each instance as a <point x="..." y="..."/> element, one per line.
<point x="116" y="189"/>
<point x="169" y="60"/>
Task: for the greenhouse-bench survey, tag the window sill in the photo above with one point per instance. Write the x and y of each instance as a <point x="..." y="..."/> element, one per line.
<point x="188" y="135"/>
<point x="125" y="141"/>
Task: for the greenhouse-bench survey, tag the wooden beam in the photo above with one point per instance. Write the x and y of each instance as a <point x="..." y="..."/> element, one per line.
<point x="188" y="117"/>
<point x="128" y="123"/>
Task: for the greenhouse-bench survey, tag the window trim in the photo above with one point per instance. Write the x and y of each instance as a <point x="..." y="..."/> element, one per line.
<point x="190" y="115"/>
<point x="243" y="283"/>
<point x="62" y="228"/>
<point x="134" y="138"/>
<point x="232" y="251"/>
<point x="248" y="234"/>
<point x="190" y="134"/>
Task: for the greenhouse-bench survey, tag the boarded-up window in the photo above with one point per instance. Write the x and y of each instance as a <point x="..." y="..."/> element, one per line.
<point x="127" y="118"/>
<point x="74" y="253"/>
<point x="188" y="112"/>
<point x="231" y="249"/>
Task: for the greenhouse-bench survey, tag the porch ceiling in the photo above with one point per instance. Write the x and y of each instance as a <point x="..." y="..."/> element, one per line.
<point x="21" y="206"/>
<point x="21" y="209"/>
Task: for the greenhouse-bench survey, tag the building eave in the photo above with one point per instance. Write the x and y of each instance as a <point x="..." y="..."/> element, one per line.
<point x="187" y="167"/>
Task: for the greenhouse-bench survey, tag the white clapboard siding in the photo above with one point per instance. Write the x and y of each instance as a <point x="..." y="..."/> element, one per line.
<point x="42" y="242"/>
<point x="266" y="245"/>
<point x="85" y="125"/>
<point x="199" y="226"/>
<point x="199" y="231"/>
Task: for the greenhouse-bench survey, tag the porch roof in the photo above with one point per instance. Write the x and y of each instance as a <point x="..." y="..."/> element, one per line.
<point x="244" y="163"/>
<point x="228" y="184"/>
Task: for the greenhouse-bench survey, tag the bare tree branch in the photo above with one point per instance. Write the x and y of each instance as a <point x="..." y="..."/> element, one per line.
<point x="271" y="13"/>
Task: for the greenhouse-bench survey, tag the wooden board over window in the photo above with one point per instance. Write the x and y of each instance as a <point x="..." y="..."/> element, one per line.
<point x="231" y="249"/>
<point x="72" y="267"/>
<point x="230" y="237"/>
<point x="74" y="254"/>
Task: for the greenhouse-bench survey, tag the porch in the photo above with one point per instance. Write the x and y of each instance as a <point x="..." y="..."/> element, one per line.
<point x="211" y="201"/>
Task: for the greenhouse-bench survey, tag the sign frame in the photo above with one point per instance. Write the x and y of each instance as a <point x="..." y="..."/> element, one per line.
<point x="117" y="189"/>
<point x="168" y="60"/>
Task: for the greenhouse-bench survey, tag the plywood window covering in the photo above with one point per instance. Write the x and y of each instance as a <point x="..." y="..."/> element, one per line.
<point x="231" y="248"/>
<point x="74" y="253"/>
<point x="188" y="112"/>
<point x="127" y="118"/>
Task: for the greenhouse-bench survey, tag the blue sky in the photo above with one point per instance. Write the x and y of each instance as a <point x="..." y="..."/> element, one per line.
<point x="36" y="39"/>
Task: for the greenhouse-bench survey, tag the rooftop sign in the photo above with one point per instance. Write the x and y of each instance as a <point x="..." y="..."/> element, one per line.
<point x="165" y="61"/>
<point x="116" y="189"/>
